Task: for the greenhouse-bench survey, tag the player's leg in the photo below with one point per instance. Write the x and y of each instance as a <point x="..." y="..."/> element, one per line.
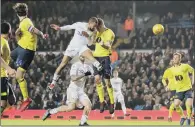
<point x="100" y="90"/>
<point x="68" y="55"/>
<point x="86" y="52"/>
<point x="84" y="100"/>
<point x="177" y="102"/>
<point x="172" y="106"/>
<point x="115" y="100"/>
<point x="122" y="102"/>
<point x="63" y="63"/>
<point x="4" y="82"/>
<point x="23" y="61"/>
<point x="63" y="108"/>
<point x="189" y="101"/>
<point x="11" y="96"/>
<point x="107" y="74"/>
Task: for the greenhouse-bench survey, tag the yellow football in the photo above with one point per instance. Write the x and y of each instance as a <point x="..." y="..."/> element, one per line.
<point x="158" y="29"/>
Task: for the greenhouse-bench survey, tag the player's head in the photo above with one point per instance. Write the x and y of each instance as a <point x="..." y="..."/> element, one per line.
<point x="176" y="58"/>
<point x="115" y="73"/>
<point x="100" y="24"/>
<point x="21" y="9"/>
<point x="82" y="58"/>
<point x="92" y="23"/>
<point x="6" y="29"/>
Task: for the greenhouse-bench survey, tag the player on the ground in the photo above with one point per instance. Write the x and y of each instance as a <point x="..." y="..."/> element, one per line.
<point x="168" y="81"/>
<point x="78" y="45"/>
<point x="117" y="84"/>
<point x="184" y="83"/>
<point x="5" y="68"/>
<point x="23" y="55"/>
<point x="75" y="92"/>
<point x="103" y="43"/>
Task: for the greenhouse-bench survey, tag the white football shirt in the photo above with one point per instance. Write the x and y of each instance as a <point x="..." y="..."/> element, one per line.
<point x="78" y="69"/>
<point x="116" y="84"/>
<point x="78" y="39"/>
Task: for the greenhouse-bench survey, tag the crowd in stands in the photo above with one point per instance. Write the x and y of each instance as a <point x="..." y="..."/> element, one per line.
<point x="141" y="72"/>
<point x="113" y="13"/>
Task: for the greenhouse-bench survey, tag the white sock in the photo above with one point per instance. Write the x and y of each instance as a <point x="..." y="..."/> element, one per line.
<point x="96" y="64"/>
<point x="55" y="78"/>
<point x="53" y="111"/>
<point x="123" y="108"/>
<point x="84" y="119"/>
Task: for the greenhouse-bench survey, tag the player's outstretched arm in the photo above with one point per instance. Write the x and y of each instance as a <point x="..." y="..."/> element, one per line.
<point x="64" y="28"/>
<point x="38" y="32"/>
<point x="11" y="72"/>
<point x="75" y="78"/>
<point x="190" y="70"/>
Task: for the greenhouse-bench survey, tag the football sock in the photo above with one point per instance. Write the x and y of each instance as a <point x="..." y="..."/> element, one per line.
<point x="171" y="109"/>
<point x="123" y="107"/>
<point x="189" y="111"/>
<point x="179" y="110"/>
<point x="55" y="78"/>
<point x="100" y="91"/>
<point x="110" y="93"/>
<point x="53" y="111"/>
<point x="84" y="119"/>
<point x="23" y="87"/>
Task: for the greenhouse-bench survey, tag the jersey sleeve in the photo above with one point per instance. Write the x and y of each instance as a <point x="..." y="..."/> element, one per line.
<point x="2" y="45"/>
<point x="109" y="38"/>
<point x="165" y="77"/>
<point x="27" y="25"/>
<point x="70" y="27"/>
<point x="73" y="70"/>
<point x="189" y="68"/>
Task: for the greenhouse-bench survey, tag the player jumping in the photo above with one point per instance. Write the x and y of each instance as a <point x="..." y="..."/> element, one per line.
<point x="183" y="82"/>
<point x="78" y="45"/>
<point x="5" y="68"/>
<point x="169" y="84"/>
<point x="75" y="92"/>
<point x="103" y="42"/>
<point x="23" y="55"/>
<point x="117" y="84"/>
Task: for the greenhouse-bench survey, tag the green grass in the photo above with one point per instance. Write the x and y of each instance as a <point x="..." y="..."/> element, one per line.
<point x="91" y="122"/>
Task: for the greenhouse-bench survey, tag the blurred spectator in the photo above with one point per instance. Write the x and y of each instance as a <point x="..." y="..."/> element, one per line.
<point x="129" y="25"/>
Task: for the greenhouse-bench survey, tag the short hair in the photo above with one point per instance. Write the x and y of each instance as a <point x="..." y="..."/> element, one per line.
<point x="21" y="9"/>
<point x="5" y="28"/>
<point x="93" y="19"/>
<point x="179" y="54"/>
<point x="100" y="22"/>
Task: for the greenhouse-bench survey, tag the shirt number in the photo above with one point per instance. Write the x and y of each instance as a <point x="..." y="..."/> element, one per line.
<point x="179" y="78"/>
<point x="98" y="39"/>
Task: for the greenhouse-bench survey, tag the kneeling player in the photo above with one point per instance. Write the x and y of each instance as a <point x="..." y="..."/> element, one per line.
<point x="117" y="83"/>
<point x="184" y="85"/>
<point x="5" y="68"/>
<point x="75" y="92"/>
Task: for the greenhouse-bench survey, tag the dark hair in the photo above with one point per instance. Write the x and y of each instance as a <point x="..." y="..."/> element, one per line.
<point x="100" y="21"/>
<point x="21" y="9"/>
<point x="5" y="28"/>
<point x="93" y="19"/>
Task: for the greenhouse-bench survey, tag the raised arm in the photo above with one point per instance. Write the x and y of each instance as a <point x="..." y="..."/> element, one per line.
<point x="64" y="28"/>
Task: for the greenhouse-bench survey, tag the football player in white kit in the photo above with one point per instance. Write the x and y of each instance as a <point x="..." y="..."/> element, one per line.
<point x="84" y="34"/>
<point x="76" y="97"/>
<point x="117" y="84"/>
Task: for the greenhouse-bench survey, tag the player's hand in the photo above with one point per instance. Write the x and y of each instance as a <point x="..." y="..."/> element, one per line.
<point x="87" y="73"/>
<point x="167" y="88"/>
<point x="85" y="34"/>
<point x="11" y="72"/>
<point x="55" y="27"/>
<point x="45" y="36"/>
<point x="101" y="43"/>
<point x="51" y="86"/>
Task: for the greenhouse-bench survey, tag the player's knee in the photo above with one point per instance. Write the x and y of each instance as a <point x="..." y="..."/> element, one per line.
<point x="97" y="79"/>
<point x="88" y="107"/>
<point x="70" y="108"/>
<point x="177" y="103"/>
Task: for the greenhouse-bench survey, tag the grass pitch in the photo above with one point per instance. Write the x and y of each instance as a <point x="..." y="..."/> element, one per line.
<point x="90" y="122"/>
